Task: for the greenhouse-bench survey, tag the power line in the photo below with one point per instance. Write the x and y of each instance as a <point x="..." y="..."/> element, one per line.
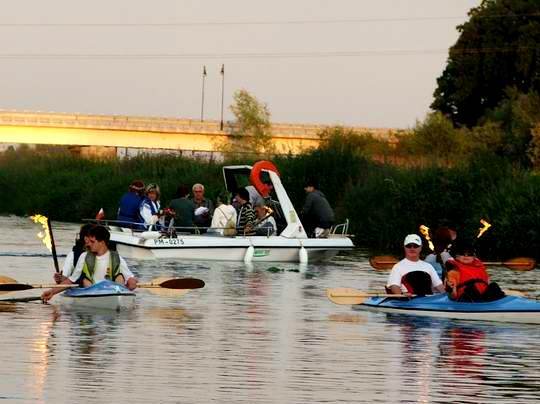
<point x="227" y="23"/>
<point x="266" y="55"/>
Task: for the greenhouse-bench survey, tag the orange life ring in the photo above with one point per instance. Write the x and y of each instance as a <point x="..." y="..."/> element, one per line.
<point x="255" y="176"/>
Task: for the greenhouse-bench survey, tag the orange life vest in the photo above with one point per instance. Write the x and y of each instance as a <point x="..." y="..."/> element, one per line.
<point x="473" y="274"/>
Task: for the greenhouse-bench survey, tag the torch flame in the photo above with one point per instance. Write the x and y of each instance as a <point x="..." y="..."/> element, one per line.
<point x="483" y="229"/>
<point x="424" y="230"/>
<point x="43" y="235"/>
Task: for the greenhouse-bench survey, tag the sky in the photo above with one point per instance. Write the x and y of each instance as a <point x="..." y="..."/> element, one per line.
<point x="370" y="63"/>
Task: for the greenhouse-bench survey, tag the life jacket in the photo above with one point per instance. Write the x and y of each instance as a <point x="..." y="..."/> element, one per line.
<point x="113" y="270"/>
<point x="77" y="249"/>
<point x="471" y="275"/>
<point x="417" y="283"/>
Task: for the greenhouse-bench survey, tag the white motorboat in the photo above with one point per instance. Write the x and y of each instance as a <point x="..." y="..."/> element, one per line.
<point x="290" y="245"/>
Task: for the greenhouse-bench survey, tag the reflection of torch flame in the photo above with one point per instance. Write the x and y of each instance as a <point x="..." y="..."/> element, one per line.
<point x="424" y="230"/>
<point x="483" y="229"/>
<point x="43" y="235"/>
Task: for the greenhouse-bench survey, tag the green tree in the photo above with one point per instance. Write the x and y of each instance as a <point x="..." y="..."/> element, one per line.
<point x="498" y="48"/>
<point x="252" y="129"/>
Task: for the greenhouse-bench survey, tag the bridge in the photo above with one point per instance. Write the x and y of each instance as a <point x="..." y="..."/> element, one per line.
<point x="109" y="135"/>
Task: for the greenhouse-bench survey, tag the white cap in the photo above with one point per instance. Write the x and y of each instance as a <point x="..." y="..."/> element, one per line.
<point x="412" y="238"/>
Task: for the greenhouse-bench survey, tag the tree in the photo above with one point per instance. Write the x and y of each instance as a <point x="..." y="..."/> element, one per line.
<point x="498" y="48"/>
<point x="252" y="130"/>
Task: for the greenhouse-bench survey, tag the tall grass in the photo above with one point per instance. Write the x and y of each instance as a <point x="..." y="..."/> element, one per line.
<point x="383" y="202"/>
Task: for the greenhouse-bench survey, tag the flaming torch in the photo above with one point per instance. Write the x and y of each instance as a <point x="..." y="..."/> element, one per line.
<point x="47" y="236"/>
<point x="483" y="229"/>
<point x="424" y="230"/>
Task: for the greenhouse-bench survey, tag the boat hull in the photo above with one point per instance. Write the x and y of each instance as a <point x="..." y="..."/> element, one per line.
<point x="219" y="248"/>
<point x="104" y="295"/>
<point x="512" y="309"/>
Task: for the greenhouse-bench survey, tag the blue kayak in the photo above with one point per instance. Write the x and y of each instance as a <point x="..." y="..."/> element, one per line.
<point x="102" y="295"/>
<point x="512" y="309"/>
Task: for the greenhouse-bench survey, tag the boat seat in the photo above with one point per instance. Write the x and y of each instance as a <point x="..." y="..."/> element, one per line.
<point x="150" y="234"/>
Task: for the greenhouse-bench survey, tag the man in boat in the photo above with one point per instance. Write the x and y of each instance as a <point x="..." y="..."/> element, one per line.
<point x="81" y="246"/>
<point x="317" y="214"/>
<point x="97" y="264"/>
<point x="183" y="208"/>
<point x="246" y="215"/>
<point x="128" y="212"/>
<point x="204" y="208"/>
<point x="265" y="224"/>
<point x="411" y="274"/>
<point x="467" y="278"/>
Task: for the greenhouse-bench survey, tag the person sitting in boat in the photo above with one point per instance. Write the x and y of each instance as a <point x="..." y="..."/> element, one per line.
<point x="467" y="278"/>
<point x="149" y="208"/>
<point x="246" y="215"/>
<point x="411" y="274"/>
<point x="81" y="246"/>
<point x="204" y="208"/>
<point x="97" y="264"/>
<point x="128" y="212"/>
<point x="184" y="209"/>
<point x="317" y="214"/>
<point x="265" y="224"/>
<point x="224" y="219"/>
<point x="442" y="241"/>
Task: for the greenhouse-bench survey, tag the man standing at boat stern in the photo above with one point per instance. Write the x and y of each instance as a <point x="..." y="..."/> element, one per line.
<point x="98" y="264"/>
<point x="411" y="274"/>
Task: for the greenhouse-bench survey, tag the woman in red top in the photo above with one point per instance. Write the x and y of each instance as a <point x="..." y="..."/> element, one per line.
<point x="466" y="278"/>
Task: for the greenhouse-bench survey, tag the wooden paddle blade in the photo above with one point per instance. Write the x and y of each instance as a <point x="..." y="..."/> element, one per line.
<point x="20" y="299"/>
<point x="346" y="296"/>
<point x="6" y="279"/>
<point x="383" y="262"/>
<point x="520" y="264"/>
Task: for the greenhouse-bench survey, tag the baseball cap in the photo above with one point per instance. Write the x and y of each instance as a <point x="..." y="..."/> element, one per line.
<point x="412" y="238"/>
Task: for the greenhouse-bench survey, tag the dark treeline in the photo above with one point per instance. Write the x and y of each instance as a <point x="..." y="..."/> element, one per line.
<point x="383" y="202"/>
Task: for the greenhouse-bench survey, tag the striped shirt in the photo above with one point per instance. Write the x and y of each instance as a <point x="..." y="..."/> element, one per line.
<point x="246" y="216"/>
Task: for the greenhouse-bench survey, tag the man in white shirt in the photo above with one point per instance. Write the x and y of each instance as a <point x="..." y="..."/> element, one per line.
<point x="97" y="264"/>
<point x="411" y="263"/>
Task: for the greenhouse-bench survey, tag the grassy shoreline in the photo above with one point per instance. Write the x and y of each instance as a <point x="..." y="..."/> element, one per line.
<point x="383" y="202"/>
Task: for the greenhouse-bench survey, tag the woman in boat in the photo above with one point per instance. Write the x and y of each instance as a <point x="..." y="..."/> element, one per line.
<point x="467" y="279"/>
<point x="81" y="246"/>
<point x="224" y="219"/>
<point x="442" y="240"/>
<point x="128" y="212"/>
<point x="96" y="265"/>
<point x="246" y="215"/>
<point x="265" y="224"/>
<point x="149" y="209"/>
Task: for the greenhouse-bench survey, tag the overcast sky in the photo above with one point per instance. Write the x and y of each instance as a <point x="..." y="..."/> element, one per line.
<point x="352" y="62"/>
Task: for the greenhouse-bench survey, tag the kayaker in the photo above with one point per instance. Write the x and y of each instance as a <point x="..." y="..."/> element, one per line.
<point x="81" y="245"/>
<point x="467" y="279"/>
<point x="96" y="265"/>
<point x="149" y="208"/>
<point x="443" y="238"/>
<point x="128" y="212"/>
<point x="411" y="274"/>
<point x="317" y="214"/>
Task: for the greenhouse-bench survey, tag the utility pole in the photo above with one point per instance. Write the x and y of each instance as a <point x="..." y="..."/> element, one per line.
<point x="202" y="97"/>
<point x="222" y="93"/>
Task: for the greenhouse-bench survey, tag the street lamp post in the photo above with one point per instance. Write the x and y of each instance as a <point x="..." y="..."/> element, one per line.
<point x="222" y="94"/>
<point x="202" y="97"/>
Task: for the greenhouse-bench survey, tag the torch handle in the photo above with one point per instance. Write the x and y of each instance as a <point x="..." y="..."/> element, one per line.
<point x="53" y="246"/>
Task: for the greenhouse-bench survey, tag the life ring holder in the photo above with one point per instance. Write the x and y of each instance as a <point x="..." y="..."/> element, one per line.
<point x="255" y="176"/>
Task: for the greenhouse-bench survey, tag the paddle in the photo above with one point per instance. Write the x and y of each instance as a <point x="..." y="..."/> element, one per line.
<point x="350" y="296"/>
<point x="53" y="247"/>
<point x="386" y="262"/>
<point x="171" y="283"/>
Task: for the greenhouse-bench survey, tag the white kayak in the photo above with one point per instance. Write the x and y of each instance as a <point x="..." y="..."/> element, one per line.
<point x="105" y="295"/>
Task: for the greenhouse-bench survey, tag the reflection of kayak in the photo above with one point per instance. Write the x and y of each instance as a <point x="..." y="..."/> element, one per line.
<point x="103" y="295"/>
<point x="512" y="309"/>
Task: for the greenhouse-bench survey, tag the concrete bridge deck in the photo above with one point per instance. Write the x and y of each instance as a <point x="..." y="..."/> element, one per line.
<point x="147" y="132"/>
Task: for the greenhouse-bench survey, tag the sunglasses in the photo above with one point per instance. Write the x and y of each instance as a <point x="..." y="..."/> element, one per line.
<point x="411" y="245"/>
<point x="466" y="254"/>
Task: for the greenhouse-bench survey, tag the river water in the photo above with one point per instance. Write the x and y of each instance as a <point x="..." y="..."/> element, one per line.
<point x="259" y="334"/>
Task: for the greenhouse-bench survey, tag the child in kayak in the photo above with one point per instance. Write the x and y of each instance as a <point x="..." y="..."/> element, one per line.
<point x="466" y="277"/>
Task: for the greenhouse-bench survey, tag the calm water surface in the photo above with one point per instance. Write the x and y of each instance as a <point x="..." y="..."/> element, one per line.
<point x="260" y="334"/>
